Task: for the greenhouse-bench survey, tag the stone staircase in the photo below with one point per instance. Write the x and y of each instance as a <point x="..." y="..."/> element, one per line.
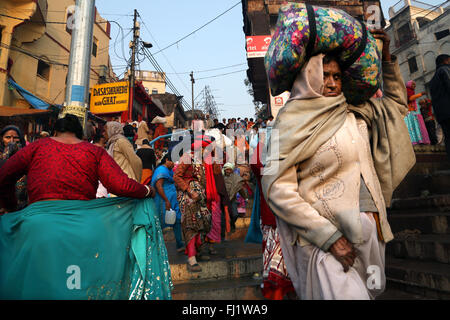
<point x="418" y="259"/>
<point x="233" y="274"/>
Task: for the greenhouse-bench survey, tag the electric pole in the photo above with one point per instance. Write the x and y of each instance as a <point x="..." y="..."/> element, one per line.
<point x="193" y="81"/>
<point x="77" y="91"/>
<point x="132" y="75"/>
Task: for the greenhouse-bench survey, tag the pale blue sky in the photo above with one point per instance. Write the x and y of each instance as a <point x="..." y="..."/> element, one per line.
<point x="219" y="44"/>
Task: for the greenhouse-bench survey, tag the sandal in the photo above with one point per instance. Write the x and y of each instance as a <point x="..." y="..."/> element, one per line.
<point x="194" y="268"/>
<point x="180" y="250"/>
<point x="203" y="257"/>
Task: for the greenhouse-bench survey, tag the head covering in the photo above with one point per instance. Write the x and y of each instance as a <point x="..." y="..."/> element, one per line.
<point x="16" y="129"/>
<point x="114" y="131"/>
<point x="309" y="82"/>
<point x="228" y="165"/>
<point x="410" y="92"/>
<point x="201" y="142"/>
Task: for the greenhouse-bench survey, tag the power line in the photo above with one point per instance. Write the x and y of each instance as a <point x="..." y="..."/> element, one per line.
<point x="176" y="42"/>
<point x="165" y="57"/>
<point x="223" y="74"/>
<point x="215" y="69"/>
<point x="168" y="82"/>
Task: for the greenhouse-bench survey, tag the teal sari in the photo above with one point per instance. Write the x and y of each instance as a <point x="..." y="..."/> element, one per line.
<point x="108" y="248"/>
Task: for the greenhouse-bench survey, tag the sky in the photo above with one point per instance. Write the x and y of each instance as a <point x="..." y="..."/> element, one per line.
<point x="220" y="45"/>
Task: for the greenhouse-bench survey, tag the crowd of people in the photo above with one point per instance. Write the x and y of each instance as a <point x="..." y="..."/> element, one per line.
<point x="320" y="216"/>
<point x="119" y="160"/>
<point x="423" y="126"/>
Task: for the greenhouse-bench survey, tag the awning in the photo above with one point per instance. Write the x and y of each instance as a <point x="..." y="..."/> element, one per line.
<point x="31" y="98"/>
<point x="15" y="111"/>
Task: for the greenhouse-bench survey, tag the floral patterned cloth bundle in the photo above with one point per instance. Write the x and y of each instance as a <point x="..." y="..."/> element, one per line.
<point x="304" y="30"/>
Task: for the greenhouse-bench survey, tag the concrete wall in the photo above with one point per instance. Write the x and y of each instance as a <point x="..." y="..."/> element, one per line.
<point x="424" y="47"/>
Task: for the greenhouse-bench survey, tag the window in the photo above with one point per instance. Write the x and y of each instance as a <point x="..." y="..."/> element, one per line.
<point x="94" y="47"/>
<point x="43" y="70"/>
<point x="441" y="34"/>
<point x="422" y="21"/>
<point x="404" y="34"/>
<point x="154" y="91"/>
<point x="412" y="63"/>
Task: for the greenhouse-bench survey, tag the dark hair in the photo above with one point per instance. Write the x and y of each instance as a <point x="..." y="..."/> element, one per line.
<point x="166" y="158"/>
<point x="97" y="137"/>
<point x="145" y="141"/>
<point x="16" y="129"/>
<point x="331" y="56"/>
<point x="441" y="58"/>
<point x="69" y="123"/>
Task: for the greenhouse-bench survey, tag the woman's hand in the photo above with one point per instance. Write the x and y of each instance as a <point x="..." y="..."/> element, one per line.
<point x="380" y="34"/>
<point x="152" y="192"/>
<point x="168" y="206"/>
<point x="344" y="252"/>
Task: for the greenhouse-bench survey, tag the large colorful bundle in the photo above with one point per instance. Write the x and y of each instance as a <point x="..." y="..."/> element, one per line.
<point x="304" y="30"/>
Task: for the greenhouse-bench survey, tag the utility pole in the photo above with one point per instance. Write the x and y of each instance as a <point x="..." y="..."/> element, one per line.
<point x="77" y="91"/>
<point x="132" y="75"/>
<point x="193" y="81"/>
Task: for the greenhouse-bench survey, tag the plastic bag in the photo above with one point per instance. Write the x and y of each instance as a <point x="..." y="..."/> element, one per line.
<point x="170" y="217"/>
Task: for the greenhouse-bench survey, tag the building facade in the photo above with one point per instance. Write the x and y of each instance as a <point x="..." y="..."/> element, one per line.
<point x="419" y="33"/>
<point x="36" y="40"/>
<point x="154" y="82"/>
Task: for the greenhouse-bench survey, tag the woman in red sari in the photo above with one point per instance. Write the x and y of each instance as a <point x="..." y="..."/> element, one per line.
<point x="197" y="193"/>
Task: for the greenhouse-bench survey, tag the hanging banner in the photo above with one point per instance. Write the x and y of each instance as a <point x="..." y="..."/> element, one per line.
<point x="257" y="46"/>
<point x="109" y="97"/>
<point x="79" y="111"/>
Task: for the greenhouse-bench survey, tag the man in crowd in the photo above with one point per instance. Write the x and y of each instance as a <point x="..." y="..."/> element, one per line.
<point x="440" y="96"/>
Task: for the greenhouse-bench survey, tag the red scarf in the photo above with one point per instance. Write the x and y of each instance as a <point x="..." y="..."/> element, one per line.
<point x="211" y="191"/>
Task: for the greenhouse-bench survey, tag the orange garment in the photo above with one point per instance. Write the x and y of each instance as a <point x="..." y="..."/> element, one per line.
<point x="159" y="131"/>
<point x="412" y="106"/>
<point x="146" y="176"/>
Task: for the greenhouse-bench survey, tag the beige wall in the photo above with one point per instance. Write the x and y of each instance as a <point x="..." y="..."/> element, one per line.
<point x="51" y="44"/>
<point x="425" y="47"/>
<point x="152" y="80"/>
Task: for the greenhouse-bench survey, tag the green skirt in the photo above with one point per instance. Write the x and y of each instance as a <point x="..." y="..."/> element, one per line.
<point x="71" y="249"/>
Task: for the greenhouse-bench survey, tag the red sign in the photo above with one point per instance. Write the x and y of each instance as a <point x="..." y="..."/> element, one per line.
<point x="257" y="46"/>
<point x="279" y="101"/>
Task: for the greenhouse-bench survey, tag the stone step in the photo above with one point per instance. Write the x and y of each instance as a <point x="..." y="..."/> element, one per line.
<point x="417" y="184"/>
<point x="426" y="222"/>
<point x="438" y="203"/>
<point x="392" y="292"/>
<point x="430" y="279"/>
<point x="235" y="259"/>
<point x="426" y="247"/>
<point x="244" y="288"/>
<point x="242" y="224"/>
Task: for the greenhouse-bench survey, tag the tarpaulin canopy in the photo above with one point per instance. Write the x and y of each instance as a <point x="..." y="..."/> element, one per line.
<point x="31" y="98"/>
<point x="16" y="111"/>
